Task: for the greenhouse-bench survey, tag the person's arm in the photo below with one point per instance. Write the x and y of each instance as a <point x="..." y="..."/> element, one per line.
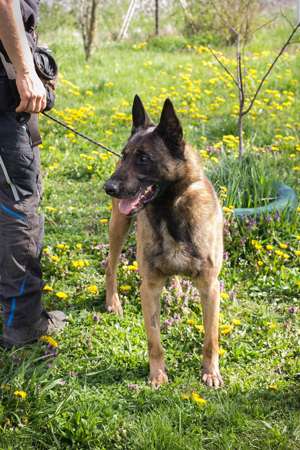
<point x="13" y="37"/>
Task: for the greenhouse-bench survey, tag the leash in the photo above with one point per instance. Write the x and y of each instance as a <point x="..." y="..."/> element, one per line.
<point x="80" y="134"/>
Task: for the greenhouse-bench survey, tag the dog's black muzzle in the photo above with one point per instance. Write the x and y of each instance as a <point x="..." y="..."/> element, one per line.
<point x="111" y="187"/>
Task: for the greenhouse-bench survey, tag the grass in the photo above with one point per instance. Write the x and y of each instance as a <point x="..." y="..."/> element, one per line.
<point x="93" y="393"/>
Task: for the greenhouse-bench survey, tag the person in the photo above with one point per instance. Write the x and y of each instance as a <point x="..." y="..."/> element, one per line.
<point x="21" y="227"/>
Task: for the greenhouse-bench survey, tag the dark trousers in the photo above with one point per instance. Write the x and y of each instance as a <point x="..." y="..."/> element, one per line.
<point x="21" y="227"/>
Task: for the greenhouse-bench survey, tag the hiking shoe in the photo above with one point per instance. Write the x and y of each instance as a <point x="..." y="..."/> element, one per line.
<point x="47" y="324"/>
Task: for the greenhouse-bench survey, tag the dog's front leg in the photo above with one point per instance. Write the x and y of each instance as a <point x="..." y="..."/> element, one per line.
<point x="210" y="300"/>
<point x="119" y="227"/>
<point x="151" y="304"/>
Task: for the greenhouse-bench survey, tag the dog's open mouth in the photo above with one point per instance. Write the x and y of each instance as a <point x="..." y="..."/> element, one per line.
<point x="131" y="206"/>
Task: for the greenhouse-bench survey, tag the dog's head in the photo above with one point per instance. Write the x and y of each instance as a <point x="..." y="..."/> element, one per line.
<point x="150" y="159"/>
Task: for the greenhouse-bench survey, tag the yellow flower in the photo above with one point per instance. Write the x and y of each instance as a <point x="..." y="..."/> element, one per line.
<point x="49" y="340"/>
<point x="297" y="252"/>
<point x="283" y="246"/>
<point x="20" y="393"/>
<point x="47" y="288"/>
<point x="269" y="247"/>
<point x="236" y="321"/>
<point x="214" y="159"/>
<point x="198" y="399"/>
<point x="60" y="246"/>
<point x="50" y="208"/>
<point x="260" y="263"/>
<point x="93" y="289"/>
<point x="275" y="388"/>
<point x="286" y="256"/>
<point x="190" y="321"/>
<point x="185" y="397"/>
<point x="103" y="220"/>
<point x="258" y="247"/>
<point x="221" y="351"/>
<point x="89" y="93"/>
<point x="223" y="295"/>
<point x="226" y="330"/>
<point x="61" y="295"/>
<point x="79" y="245"/>
<point x="55" y="258"/>
<point x="296" y="168"/>
<point x="227" y="210"/>
<point x="86" y="263"/>
<point x="199" y="327"/>
<point x="125" y="288"/>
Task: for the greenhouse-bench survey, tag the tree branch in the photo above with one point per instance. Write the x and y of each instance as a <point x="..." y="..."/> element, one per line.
<point x="221" y="64"/>
<point x="262" y="26"/>
<point x="222" y="18"/>
<point x="270" y="68"/>
<point x="245" y="16"/>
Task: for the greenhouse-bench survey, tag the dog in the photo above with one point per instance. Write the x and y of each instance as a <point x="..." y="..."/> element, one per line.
<point x="180" y="229"/>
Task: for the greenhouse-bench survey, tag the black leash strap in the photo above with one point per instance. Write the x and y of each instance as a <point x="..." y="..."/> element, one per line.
<point x="80" y="134"/>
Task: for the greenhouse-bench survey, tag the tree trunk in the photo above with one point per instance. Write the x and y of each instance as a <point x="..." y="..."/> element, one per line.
<point x="240" y="131"/>
<point x="156" y="17"/>
<point x="91" y="29"/>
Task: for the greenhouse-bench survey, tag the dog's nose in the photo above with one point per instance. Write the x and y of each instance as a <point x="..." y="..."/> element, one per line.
<point x="111" y="187"/>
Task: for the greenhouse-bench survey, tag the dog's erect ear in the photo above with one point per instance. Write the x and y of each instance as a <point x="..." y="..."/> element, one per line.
<point x="169" y="127"/>
<point x="140" y="118"/>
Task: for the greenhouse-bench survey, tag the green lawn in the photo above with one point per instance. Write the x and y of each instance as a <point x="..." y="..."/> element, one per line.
<point x="91" y="390"/>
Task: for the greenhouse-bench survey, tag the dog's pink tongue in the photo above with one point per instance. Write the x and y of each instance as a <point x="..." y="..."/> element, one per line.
<point x="125" y="206"/>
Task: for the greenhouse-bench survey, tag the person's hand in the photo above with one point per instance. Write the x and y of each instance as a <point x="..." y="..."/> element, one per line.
<point x="32" y="93"/>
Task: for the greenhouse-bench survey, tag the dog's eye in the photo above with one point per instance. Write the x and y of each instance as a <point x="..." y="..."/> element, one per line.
<point x="144" y="158"/>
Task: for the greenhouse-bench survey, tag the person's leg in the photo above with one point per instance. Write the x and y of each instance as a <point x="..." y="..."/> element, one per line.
<point x="21" y="235"/>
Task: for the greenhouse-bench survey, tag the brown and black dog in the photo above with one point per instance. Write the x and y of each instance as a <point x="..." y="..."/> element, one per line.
<point x="180" y="229"/>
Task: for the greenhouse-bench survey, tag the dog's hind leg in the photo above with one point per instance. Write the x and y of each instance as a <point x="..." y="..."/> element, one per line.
<point x="151" y="305"/>
<point x="210" y="299"/>
<point x="119" y="227"/>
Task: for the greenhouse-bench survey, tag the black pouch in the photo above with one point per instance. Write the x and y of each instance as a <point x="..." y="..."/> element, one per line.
<point x="47" y="70"/>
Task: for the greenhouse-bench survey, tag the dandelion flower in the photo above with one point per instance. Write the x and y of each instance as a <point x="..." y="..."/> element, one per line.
<point x="236" y="321"/>
<point x="61" y="295"/>
<point x="275" y="388"/>
<point x="49" y="340"/>
<point x="125" y="288"/>
<point x="93" y="289"/>
<point x="79" y="245"/>
<point x="47" y="288"/>
<point x="20" y="393"/>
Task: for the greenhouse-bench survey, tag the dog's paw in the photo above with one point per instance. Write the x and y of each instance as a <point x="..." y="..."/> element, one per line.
<point x="114" y="306"/>
<point x="212" y="378"/>
<point x="158" y="376"/>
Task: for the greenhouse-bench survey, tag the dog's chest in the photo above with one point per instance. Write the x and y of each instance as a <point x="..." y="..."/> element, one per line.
<point x="173" y="249"/>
